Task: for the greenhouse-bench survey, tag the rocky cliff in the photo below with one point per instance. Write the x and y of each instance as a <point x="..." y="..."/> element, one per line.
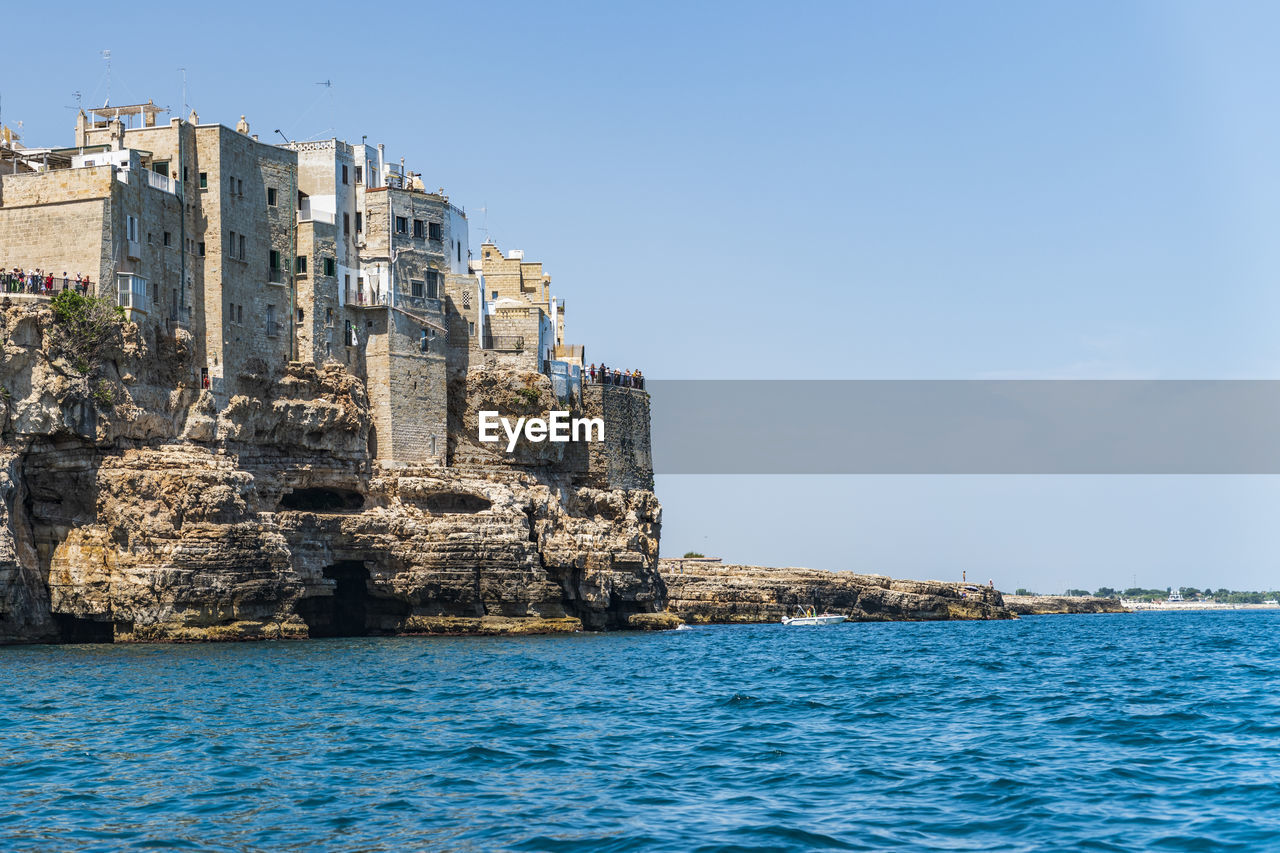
<point x="137" y="506"/>
<point x="706" y="592"/>
<point x="1040" y="605"/>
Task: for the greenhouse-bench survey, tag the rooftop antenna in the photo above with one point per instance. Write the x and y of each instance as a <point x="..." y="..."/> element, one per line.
<point x="282" y="136"/>
<point x="328" y="84"/>
<point x="485" y="225"/>
<point x="184" y="90"/>
<point x="106" y="55"/>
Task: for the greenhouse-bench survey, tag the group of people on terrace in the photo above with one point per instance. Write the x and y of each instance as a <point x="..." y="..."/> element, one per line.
<point x="622" y="378"/>
<point x="41" y="282"/>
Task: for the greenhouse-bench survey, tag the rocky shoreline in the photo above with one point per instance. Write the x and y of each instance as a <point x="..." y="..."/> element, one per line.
<point x="1045" y="605"/>
<point x="705" y="592"/>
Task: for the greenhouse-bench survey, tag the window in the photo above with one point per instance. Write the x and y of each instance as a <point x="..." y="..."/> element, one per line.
<point x="204" y="180"/>
<point x="168" y="239"/>
<point x="271" y="321"/>
<point x="471" y="328"/>
<point x="273" y="266"/>
<point x="466" y="300"/>
<point x="359" y="222"/>
<point x="161" y="167"/>
<point x="328" y="317"/>
<point x="231" y="184"/>
<point x="418" y="230"/>
<point x="271" y="196"/>
<point x="433" y="284"/>
<point x="425" y="341"/>
<point x="437" y="231"/>
<point x="231" y="245"/>
<point x="200" y="248"/>
<point x="240" y="313"/>
<point x="242" y="247"/>
<point x="330" y="268"/>
<point x="300" y="265"/>
<point x="494" y="294"/>
<point x="359" y="175"/>
<point x="344" y="173"/>
<point x="459" y="244"/>
<point x="416" y="288"/>
<point x="346" y="223"/>
<point x="131" y="228"/>
<point x="148" y="238"/>
<point x="402" y="225"/>
<point x="239" y="187"/>
<point x="299" y="315"/>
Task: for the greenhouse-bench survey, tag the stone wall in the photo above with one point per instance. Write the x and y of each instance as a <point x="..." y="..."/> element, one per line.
<point x="624" y="460"/>
<point x="58" y="221"/>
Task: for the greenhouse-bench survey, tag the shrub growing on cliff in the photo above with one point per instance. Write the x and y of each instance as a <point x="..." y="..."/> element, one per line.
<point x="690" y="555"/>
<point x="83" y="328"/>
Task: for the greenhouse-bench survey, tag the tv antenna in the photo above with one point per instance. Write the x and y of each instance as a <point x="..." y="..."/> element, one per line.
<point x="183" y="71"/>
<point x="485" y="222"/>
<point x="106" y="55"/>
<point x="328" y="84"/>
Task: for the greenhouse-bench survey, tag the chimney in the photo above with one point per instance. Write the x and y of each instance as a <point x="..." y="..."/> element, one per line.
<point x="117" y="134"/>
<point x="242" y="126"/>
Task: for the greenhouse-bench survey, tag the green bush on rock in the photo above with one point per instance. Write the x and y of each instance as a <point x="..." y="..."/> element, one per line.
<point x="83" y="328"/>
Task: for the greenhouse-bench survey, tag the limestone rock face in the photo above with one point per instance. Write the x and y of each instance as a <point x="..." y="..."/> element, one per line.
<point x="1038" y="605"/>
<point x="138" y="507"/>
<point x="706" y="592"/>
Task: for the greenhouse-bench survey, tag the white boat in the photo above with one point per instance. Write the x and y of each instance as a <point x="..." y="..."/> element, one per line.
<point x="809" y="616"/>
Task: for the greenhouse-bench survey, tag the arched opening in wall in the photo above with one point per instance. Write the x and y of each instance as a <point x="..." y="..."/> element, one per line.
<point x="322" y="500"/>
<point x="344" y="613"/>
<point x="75" y="629"/>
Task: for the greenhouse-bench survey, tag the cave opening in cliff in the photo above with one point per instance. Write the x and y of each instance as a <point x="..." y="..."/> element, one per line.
<point x="462" y="502"/>
<point x="345" y="612"/>
<point x="322" y="500"/>
<point x="76" y="629"/>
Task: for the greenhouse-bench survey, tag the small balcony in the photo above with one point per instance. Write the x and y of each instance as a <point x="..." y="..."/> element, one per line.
<point x="358" y="298"/>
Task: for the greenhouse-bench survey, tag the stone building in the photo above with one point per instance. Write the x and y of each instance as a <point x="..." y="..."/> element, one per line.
<point x="321" y="252"/>
<point x="524" y="316"/>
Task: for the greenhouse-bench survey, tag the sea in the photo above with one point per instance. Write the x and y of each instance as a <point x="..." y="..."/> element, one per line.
<point x="1117" y="732"/>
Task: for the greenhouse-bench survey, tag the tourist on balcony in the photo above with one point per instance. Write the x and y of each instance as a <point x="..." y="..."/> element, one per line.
<point x="48" y="283"/>
<point x="66" y="282"/>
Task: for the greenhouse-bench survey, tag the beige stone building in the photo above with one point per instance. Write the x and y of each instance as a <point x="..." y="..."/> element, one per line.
<point x="320" y="252"/>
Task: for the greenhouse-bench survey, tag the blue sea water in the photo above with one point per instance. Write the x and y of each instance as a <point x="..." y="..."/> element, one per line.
<point x="1111" y="732"/>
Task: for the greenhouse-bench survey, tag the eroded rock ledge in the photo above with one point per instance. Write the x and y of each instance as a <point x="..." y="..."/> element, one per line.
<point x="705" y="592"/>
<point x="1041" y="605"/>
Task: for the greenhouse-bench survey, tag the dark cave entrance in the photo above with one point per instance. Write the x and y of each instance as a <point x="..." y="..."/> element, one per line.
<point x="351" y="611"/>
<point x="342" y="614"/>
<point x="74" y="629"/>
<point x="322" y="500"/>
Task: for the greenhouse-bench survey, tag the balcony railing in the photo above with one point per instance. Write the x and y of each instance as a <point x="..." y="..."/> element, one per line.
<point x="308" y="215"/>
<point x="360" y="299"/>
<point x="504" y="343"/>
<point x="162" y="182"/>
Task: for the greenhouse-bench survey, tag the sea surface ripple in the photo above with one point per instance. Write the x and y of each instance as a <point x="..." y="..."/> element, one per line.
<point x="1108" y="732"/>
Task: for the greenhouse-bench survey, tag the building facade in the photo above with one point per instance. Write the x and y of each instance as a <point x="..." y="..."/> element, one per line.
<point x="319" y="252"/>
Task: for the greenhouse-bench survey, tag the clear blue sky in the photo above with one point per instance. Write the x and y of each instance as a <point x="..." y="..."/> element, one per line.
<point x="845" y="190"/>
